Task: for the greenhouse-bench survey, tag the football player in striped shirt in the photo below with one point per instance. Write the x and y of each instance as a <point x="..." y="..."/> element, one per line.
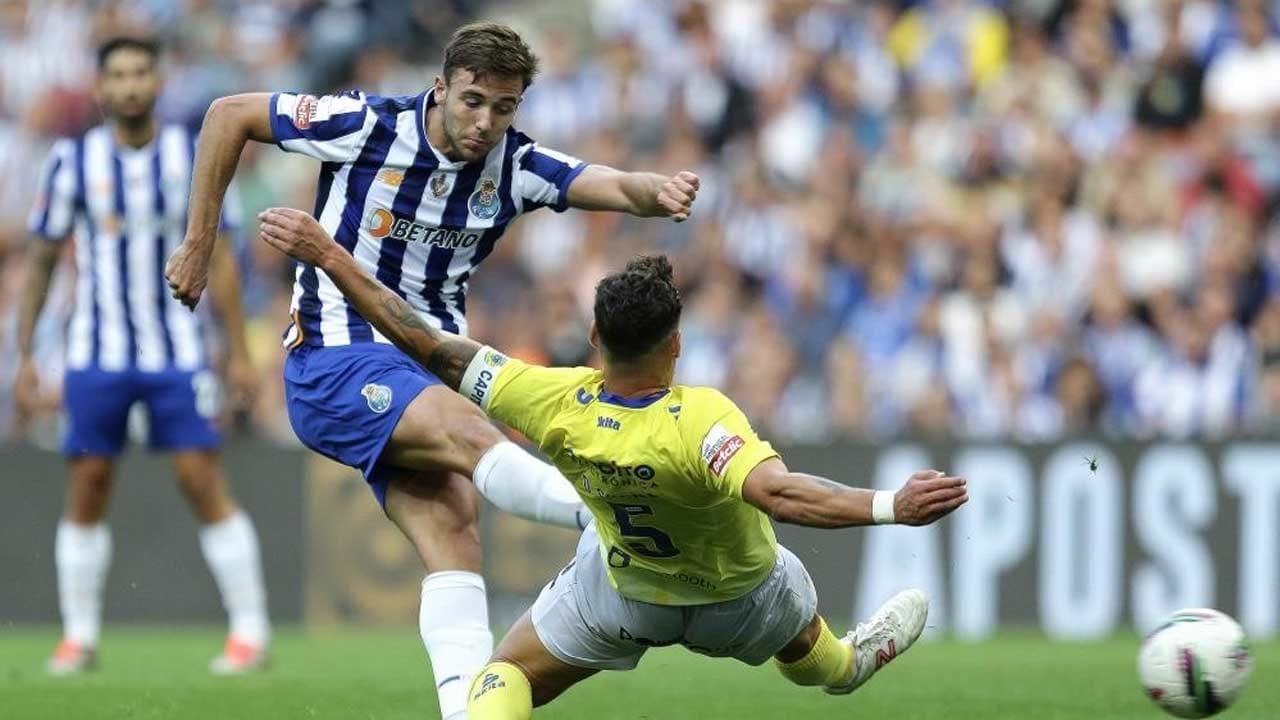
<point x="681" y="551"/>
<point x="418" y="190"/>
<point x="121" y="191"/>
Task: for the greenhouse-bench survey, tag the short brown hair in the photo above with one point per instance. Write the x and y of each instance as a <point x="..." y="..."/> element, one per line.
<point x="490" y="49"/>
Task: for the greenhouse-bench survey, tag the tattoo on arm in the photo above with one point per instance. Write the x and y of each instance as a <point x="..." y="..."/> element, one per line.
<point x="445" y="355"/>
<point x="450" y="360"/>
<point x="404" y="315"/>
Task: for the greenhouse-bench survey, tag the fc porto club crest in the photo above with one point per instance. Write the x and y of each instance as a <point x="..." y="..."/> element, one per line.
<point x="378" y="397"/>
<point x="439" y="184"/>
<point x="484" y="202"/>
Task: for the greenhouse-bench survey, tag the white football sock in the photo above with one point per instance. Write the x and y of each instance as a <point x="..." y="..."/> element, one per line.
<point x="526" y="487"/>
<point x="454" y="622"/>
<point x="82" y="554"/>
<point x="231" y="549"/>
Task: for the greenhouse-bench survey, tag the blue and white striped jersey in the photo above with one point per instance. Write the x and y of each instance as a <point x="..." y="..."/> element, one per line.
<point x="128" y="210"/>
<point x="416" y="220"/>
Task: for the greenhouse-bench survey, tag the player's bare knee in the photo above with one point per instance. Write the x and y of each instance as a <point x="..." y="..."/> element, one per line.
<point x="204" y="486"/>
<point x="198" y="482"/>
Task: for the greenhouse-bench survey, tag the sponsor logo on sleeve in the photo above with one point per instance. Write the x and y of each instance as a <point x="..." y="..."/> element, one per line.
<point x="304" y="111"/>
<point x="718" y="448"/>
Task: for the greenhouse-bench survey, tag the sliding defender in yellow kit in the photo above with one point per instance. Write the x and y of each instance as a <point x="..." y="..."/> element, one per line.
<point x="681" y="550"/>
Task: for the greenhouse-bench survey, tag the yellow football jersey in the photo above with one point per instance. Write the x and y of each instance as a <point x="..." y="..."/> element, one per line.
<point x="662" y="475"/>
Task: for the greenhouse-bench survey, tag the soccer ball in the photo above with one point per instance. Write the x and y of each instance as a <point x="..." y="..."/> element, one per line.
<point x="1196" y="663"/>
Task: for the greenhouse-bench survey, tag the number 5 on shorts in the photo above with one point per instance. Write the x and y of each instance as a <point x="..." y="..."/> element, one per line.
<point x="662" y="545"/>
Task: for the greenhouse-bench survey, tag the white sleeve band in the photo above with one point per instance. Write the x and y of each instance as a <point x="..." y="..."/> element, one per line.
<point x="882" y="507"/>
<point x="477" y="381"/>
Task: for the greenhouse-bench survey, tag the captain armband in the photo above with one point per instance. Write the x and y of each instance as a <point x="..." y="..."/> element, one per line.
<point x="478" y="381"/>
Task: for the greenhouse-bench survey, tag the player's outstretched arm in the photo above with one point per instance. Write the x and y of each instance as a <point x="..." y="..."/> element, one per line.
<point x="298" y="235"/>
<point x="817" y="502"/>
<point x="229" y="123"/>
<point x="600" y="187"/>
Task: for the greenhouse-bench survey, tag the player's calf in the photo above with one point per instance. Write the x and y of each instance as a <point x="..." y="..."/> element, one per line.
<point x="204" y="485"/>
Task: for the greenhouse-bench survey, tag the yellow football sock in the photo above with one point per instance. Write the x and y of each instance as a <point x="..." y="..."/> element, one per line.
<point x="500" y="692"/>
<point x="829" y="662"/>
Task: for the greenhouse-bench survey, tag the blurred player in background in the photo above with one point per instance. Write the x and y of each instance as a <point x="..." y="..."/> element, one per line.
<point x="121" y="189"/>
<point x="681" y="489"/>
<point x="419" y="190"/>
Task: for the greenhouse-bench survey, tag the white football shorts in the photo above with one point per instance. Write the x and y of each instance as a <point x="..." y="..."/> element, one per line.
<point x="582" y="620"/>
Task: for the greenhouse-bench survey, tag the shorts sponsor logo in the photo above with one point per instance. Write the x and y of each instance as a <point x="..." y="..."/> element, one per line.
<point x="719" y="446"/>
<point x="304" y="111"/>
<point x="484" y="202"/>
<point x="378" y="397"/>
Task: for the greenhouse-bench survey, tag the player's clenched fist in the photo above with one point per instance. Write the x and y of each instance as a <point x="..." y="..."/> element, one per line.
<point x="927" y="496"/>
<point x="677" y="194"/>
<point x="187" y="273"/>
<point x="296" y="234"/>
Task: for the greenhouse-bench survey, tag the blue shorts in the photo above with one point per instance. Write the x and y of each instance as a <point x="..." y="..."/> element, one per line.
<point x="345" y="401"/>
<point x="180" y="405"/>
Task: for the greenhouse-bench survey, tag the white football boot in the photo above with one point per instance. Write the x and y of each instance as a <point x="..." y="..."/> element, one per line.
<point x="889" y="633"/>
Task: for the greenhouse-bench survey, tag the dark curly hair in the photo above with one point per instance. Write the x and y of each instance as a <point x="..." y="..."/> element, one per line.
<point x="489" y="49"/>
<point x="637" y="308"/>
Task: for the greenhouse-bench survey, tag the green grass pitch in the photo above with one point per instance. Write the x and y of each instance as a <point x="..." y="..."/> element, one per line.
<point x="356" y="674"/>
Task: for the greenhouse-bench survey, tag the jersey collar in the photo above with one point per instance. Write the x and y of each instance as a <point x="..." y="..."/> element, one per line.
<point x="634" y="403"/>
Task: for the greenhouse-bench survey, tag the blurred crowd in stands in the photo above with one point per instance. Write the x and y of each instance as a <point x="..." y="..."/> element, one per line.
<point x="1027" y="219"/>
